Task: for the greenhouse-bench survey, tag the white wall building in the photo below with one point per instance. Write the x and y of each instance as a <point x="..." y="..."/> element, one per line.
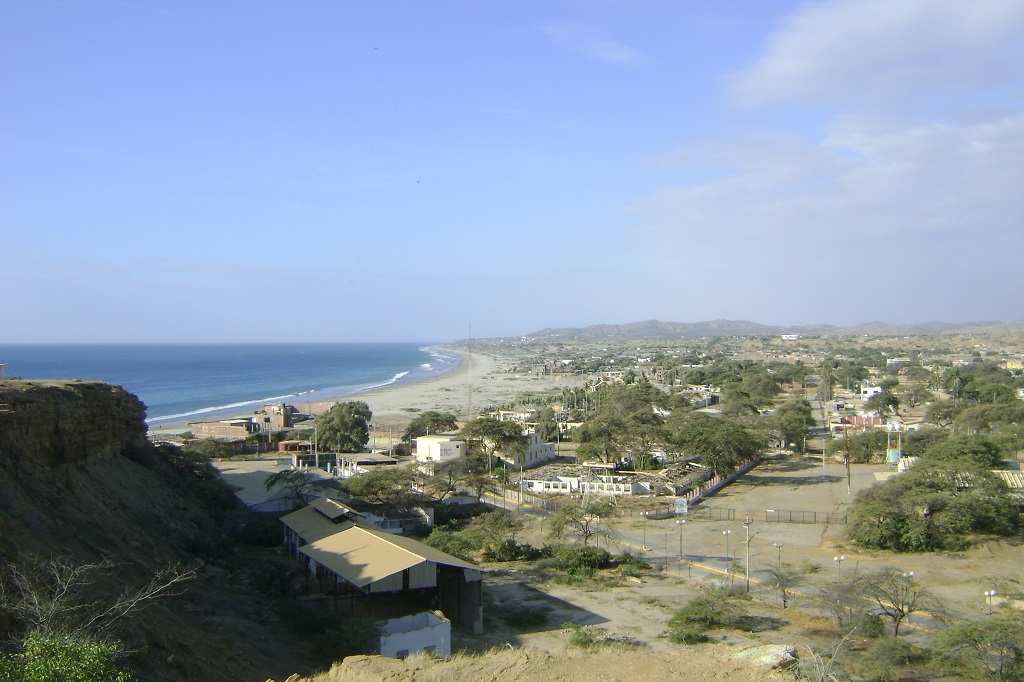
<point x="869" y="391"/>
<point x="537" y="452"/>
<point x="429" y="631"/>
<point x="437" y="449"/>
<point x="573" y="485"/>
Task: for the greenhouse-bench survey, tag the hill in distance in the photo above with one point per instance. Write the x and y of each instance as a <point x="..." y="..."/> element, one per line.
<point x="656" y="329"/>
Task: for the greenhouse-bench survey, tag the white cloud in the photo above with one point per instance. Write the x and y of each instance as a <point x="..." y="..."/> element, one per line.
<point x="936" y="206"/>
<point x="592" y="43"/>
<point x="873" y="52"/>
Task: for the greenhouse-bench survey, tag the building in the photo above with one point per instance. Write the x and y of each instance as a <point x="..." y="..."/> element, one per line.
<point x="365" y="565"/>
<point x="270" y="418"/>
<point x="439" y="449"/>
<point x="428" y="632"/>
<point x="537" y="453"/>
<point x="869" y="391"/>
<point x="236" y="427"/>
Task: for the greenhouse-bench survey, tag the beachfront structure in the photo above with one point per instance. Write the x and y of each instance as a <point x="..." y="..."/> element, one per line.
<point x="236" y="427"/>
<point x="270" y="418"/>
<point x="353" y="559"/>
<point x="439" y="449"/>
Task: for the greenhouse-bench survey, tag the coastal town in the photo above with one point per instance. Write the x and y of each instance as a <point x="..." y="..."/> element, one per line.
<point x="651" y="455"/>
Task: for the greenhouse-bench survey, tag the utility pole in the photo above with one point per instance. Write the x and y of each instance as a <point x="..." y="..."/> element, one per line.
<point x="746" y="527"/>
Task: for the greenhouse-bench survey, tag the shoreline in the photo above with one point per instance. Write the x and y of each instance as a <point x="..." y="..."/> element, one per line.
<point x="478" y="381"/>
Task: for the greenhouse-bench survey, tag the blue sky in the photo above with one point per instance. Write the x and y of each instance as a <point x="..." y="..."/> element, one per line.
<point x="390" y="171"/>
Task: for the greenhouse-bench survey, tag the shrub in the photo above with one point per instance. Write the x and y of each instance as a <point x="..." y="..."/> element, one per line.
<point x="449" y="542"/>
<point x="510" y="550"/>
<point x="688" y="634"/>
<point x="64" y="657"/>
<point x="628" y="559"/>
<point x="578" y="559"/>
<point x="585" y="636"/>
<point x="707" y="612"/>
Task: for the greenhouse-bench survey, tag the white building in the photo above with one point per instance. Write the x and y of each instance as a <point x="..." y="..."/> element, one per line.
<point x="868" y="391"/>
<point x="537" y="452"/>
<point x="428" y="632"/>
<point x="438" y="449"/>
<point x="574" y="485"/>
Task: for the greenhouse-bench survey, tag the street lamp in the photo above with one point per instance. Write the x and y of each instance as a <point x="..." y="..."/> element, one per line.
<point x="728" y="563"/>
<point x="989" y="594"/>
<point x="779" y="546"/>
<point x="746" y="527"/>
<point x="644" y="514"/>
<point x="839" y="568"/>
<point x="680" y="523"/>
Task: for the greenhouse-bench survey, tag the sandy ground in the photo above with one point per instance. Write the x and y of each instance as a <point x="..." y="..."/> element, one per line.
<point x="478" y="382"/>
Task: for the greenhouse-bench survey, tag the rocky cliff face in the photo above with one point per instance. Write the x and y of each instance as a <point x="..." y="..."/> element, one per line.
<point x="57" y="423"/>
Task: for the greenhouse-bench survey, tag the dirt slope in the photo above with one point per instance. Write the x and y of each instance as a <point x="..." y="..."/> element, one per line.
<point x="608" y="665"/>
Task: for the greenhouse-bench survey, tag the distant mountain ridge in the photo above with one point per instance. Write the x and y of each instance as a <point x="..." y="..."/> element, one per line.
<point x="656" y="329"/>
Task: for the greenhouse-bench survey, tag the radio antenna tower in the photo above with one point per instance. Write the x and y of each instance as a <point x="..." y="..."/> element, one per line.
<point x="469" y="373"/>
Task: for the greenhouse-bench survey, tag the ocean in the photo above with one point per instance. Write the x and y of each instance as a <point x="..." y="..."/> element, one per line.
<point x="182" y="382"/>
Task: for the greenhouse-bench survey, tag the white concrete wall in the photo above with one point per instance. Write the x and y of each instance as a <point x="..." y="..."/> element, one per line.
<point x="427" y="631"/>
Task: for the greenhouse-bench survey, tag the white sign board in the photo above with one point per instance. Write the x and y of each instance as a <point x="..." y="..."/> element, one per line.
<point x="682" y="507"/>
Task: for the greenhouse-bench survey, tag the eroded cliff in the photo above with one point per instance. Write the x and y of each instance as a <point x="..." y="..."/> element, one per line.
<point x="56" y="423"/>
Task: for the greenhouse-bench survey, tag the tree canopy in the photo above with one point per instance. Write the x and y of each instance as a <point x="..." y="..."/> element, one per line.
<point x="344" y="427"/>
<point x="721" y="444"/>
<point x="936" y="505"/>
<point x="430" y="422"/>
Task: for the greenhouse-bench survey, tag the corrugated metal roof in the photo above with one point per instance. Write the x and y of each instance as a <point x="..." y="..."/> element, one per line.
<point x="1014" y="479"/>
<point x="363" y="555"/>
<point x="360" y="556"/>
<point x="311" y="525"/>
<point x="332" y="509"/>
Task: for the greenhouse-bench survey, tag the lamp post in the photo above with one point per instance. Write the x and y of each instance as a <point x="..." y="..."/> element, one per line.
<point x="839" y="568"/>
<point x="728" y="563"/>
<point x="988" y="595"/>
<point x="779" y="546"/>
<point x="746" y="527"/>
<point x="644" y="514"/>
<point x="680" y="523"/>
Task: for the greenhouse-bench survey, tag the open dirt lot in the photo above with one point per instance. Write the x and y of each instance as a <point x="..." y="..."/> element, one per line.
<point x="633" y="612"/>
<point x="640" y="610"/>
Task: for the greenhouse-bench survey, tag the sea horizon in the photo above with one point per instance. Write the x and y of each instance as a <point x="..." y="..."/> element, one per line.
<point x="181" y="382"/>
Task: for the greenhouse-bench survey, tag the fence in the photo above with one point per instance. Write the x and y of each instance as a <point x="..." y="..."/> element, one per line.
<point x="789" y="516"/>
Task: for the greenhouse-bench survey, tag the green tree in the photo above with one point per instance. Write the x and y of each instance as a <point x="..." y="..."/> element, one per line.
<point x="897" y="595"/>
<point x="993" y="646"/>
<point x="943" y="413"/>
<point x="344" y="427"/>
<point x="976" y="451"/>
<point x="493" y="435"/>
<point x="599" y="439"/>
<point x="581" y="520"/>
<point x="933" y="506"/>
<point x="299" y="484"/>
<point x="491" y="529"/>
<point x="719" y="442"/>
<point x="792" y="421"/>
<point x="389" y="486"/>
<point x="57" y="657"/>
<point x="883" y="403"/>
<point x="716" y="609"/>
<point x="430" y="422"/>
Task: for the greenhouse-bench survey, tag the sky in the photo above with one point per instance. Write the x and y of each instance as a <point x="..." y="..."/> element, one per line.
<point x="317" y="170"/>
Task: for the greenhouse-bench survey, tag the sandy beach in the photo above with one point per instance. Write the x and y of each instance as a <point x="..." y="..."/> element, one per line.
<point x="478" y="382"/>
